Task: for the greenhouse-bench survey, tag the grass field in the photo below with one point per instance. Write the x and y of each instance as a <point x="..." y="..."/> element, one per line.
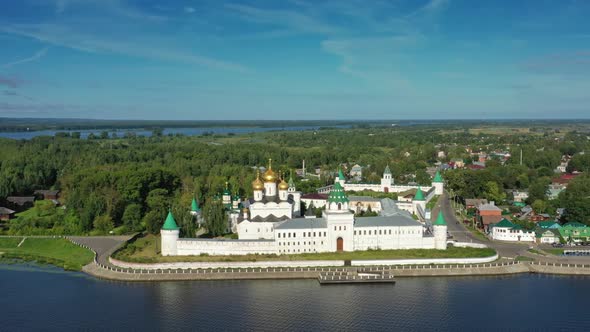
<point x="9" y="242"/>
<point x="55" y="251"/>
<point x="146" y="250"/>
<point x="556" y="252"/>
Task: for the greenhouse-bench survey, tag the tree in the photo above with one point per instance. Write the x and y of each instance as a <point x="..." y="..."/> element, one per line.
<point x="538" y="189"/>
<point x="576" y="200"/>
<point x="153" y="221"/>
<point x="539" y="206"/>
<point x="493" y="192"/>
<point x="132" y="217"/>
<point x="103" y="223"/>
<point x="215" y="217"/>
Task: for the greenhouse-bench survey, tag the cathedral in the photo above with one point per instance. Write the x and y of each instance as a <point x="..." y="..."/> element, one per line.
<point x="271" y="223"/>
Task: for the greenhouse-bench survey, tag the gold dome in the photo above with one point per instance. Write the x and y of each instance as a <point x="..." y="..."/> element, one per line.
<point x="269" y="175"/>
<point x="283" y="185"/>
<point x="257" y="184"/>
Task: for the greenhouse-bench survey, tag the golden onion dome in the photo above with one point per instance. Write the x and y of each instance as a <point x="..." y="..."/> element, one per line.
<point x="283" y="185"/>
<point x="257" y="184"/>
<point x="269" y="175"/>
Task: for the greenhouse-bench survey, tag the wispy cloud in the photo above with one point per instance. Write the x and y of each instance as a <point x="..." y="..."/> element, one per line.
<point x="116" y="7"/>
<point x="292" y="19"/>
<point x="65" y="36"/>
<point x="39" y="54"/>
<point x="189" y="10"/>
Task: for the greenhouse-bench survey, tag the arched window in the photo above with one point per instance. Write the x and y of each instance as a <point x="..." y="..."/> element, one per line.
<point x="339" y="206"/>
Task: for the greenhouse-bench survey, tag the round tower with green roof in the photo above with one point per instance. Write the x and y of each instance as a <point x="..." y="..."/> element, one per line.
<point x="438" y="184"/>
<point x="439" y="231"/>
<point x="169" y="236"/>
<point x="419" y="204"/>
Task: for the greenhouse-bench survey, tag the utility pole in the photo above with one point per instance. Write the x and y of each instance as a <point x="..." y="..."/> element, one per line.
<point x="521" y="157"/>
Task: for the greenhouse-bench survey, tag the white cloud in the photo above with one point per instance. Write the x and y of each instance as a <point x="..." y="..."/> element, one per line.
<point x="152" y="48"/>
<point x="39" y="54"/>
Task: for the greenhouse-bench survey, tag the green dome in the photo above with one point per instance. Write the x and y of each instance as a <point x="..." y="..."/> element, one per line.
<point x="437" y="177"/>
<point x="340" y="174"/>
<point x="170" y="223"/>
<point x="195" y="206"/>
<point x="440" y="220"/>
<point x="419" y="195"/>
<point x="387" y="170"/>
<point x="337" y="195"/>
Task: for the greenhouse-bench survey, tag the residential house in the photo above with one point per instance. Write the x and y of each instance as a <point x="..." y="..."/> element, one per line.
<point x="575" y="232"/>
<point x="520" y="195"/>
<point x="21" y="202"/>
<point x="472" y="203"/>
<point x="505" y="230"/>
<point x="546" y="235"/>
<point x="47" y="194"/>
<point x="548" y="225"/>
<point x="6" y="214"/>
<point x="356" y="171"/>
<point x="487" y="214"/>
<point x="554" y="190"/>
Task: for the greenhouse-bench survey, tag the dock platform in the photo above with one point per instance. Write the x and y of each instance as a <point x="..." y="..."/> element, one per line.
<point x="358" y="277"/>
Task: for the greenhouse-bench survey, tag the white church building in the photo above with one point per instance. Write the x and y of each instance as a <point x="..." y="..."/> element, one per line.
<point x="270" y="223"/>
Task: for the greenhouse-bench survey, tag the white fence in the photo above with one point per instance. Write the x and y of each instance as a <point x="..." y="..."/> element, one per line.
<point x="425" y="261"/>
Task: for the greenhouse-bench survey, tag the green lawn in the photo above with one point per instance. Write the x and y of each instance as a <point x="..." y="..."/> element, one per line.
<point x="554" y="251"/>
<point x="58" y="251"/>
<point x="432" y="202"/>
<point x="9" y="242"/>
<point x="146" y="250"/>
<point x="534" y="251"/>
<point x="523" y="259"/>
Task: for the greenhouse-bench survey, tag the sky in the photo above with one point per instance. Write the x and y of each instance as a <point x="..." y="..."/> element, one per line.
<point x="295" y="59"/>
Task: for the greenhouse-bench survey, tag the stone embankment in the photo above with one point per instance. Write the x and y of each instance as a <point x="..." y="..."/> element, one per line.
<point x="102" y="268"/>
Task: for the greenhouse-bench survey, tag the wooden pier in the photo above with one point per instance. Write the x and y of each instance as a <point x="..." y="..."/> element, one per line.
<point x="355" y="277"/>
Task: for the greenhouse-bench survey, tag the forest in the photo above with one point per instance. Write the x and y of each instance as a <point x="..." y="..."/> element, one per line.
<point x="128" y="184"/>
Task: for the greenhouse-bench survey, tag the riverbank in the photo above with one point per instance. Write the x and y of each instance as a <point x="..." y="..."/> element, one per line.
<point x="55" y="251"/>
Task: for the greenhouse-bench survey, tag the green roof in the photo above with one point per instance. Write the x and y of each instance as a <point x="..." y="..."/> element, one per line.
<point x="419" y="195"/>
<point x="340" y="174"/>
<point x="548" y="224"/>
<point x="387" y="170"/>
<point x="505" y="223"/>
<point x="170" y="223"/>
<point x="337" y="195"/>
<point x="195" y="205"/>
<point x="440" y="220"/>
<point x="574" y="224"/>
<point x="437" y="177"/>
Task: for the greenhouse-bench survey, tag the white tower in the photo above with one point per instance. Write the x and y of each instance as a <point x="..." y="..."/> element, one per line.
<point x="340" y="221"/>
<point x="417" y="202"/>
<point x="386" y="180"/>
<point x="439" y="230"/>
<point x="438" y="184"/>
<point x="169" y="236"/>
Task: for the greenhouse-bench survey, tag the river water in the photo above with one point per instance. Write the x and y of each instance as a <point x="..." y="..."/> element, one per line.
<point x="45" y="298"/>
<point x="166" y="131"/>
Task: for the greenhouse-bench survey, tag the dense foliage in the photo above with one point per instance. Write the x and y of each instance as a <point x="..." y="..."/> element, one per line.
<point x="128" y="184"/>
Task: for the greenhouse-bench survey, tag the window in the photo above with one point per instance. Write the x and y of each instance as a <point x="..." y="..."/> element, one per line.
<point x="339" y="206"/>
<point x="379" y="232"/>
<point x="354" y="232"/>
<point x="334" y="229"/>
<point x="390" y="232"/>
<point x="289" y="234"/>
<point x="303" y="234"/>
<point x="344" y="227"/>
<point x="324" y="234"/>
<point x="313" y="234"/>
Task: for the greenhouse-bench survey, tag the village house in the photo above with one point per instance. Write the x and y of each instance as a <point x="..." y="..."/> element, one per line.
<point x="6" y="214"/>
<point x="47" y="194"/>
<point x="472" y="203"/>
<point x="507" y="231"/>
<point x="487" y="214"/>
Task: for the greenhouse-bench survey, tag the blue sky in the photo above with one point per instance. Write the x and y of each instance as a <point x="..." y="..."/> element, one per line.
<point x="295" y="59"/>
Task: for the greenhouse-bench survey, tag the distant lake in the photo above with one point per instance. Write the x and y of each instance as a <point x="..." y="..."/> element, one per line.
<point x="166" y="131"/>
<point x="48" y="299"/>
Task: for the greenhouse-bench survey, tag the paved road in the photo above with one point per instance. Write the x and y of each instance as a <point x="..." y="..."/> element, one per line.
<point x="103" y="245"/>
<point x="462" y="234"/>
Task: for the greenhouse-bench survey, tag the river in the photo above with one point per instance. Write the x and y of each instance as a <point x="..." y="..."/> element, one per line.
<point x="166" y="131"/>
<point x="46" y="298"/>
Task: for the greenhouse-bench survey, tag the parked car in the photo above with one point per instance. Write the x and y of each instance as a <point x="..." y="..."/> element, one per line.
<point x="557" y="245"/>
